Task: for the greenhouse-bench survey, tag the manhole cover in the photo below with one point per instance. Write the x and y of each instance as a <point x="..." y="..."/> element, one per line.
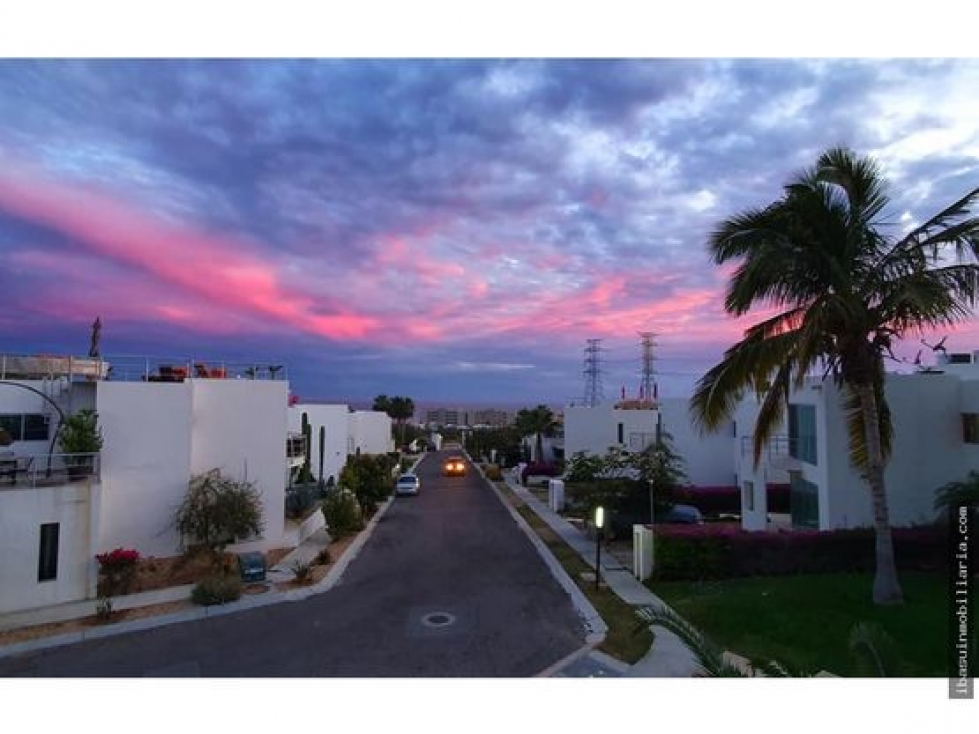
<point x="438" y="619"/>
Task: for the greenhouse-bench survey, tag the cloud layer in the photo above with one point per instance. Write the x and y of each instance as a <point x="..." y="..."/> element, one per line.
<point x="449" y="229"/>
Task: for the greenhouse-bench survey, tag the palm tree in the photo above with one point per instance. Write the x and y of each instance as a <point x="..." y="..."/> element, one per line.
<point x="539" y="422"/>
<point x="846" y="291"/>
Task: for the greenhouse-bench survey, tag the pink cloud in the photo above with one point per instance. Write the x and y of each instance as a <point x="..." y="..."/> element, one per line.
<point x="229" y="275"/>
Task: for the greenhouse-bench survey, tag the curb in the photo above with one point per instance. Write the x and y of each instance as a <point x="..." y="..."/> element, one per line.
<point x="594" y="624"/>
<point x="331" y="579"/>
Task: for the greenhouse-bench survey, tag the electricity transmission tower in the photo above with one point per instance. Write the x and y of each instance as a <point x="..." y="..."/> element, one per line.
<point x="593" y="373"/>
<point x="647" y="389"/>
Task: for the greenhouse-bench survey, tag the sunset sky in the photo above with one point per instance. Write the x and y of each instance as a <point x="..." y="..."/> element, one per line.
<point x="450" y="230"/>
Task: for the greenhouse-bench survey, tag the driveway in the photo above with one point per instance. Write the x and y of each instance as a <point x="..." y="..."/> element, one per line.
<point x="448" y="585"/>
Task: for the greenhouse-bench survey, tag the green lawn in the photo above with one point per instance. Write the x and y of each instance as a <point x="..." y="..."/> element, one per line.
<point x="805" y="621"/>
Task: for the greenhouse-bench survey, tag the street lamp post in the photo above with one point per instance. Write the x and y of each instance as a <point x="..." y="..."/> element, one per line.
<point x="599" y="522"/>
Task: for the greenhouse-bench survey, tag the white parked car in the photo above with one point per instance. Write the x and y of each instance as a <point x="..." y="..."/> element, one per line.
<point x="408" y="484"/>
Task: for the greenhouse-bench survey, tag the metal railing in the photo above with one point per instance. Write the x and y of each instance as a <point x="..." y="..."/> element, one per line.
<point x="48" y="470"/>
<point x="777" y="445"/>
<point x="135" y="368"/>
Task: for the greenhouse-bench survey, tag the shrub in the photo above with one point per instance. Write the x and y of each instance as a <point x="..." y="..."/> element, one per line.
<point x="217" y="510"/>
<point x="716" y="551"/>
<point x="323" y="558"/>
<point x="303" y="571"/>
<point x="299" y="500"/>
<point x="117" y="569"/>
<point x="492" y="472"/>
<point x="342" y="513"/>
<point x="216" y="589"/>
<point x="541" y="470"/>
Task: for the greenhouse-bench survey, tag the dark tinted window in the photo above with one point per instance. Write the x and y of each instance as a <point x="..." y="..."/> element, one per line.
<point x="47" y="564"/>
<point x="35" y="427"/>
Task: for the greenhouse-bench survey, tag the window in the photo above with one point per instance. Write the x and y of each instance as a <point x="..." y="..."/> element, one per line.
<point x="970" y="427"/>
<point x="35" y="427"/>
<point x="621" y="433"/>
<point x="802" y="432"/>
<point x="47" y="564"/>
<point x="749" y="496"/>
<point x="25" y="427"/>
<point x="803" y="502"/>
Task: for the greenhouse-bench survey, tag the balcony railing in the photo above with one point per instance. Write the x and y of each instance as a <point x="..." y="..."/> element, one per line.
<point x="134" y="368"/>
<point x="48" y="470"/>
<point x="777" y="445"/>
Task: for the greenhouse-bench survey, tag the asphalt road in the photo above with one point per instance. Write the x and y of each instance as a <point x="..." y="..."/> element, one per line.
<point x="447" y="585"/>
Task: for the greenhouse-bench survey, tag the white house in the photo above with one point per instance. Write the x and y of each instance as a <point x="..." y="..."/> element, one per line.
<point x="629" y="425"/>
<point x="158" y="433"/>
<point x="935" y="414"/>
<point x="344" y="432"/>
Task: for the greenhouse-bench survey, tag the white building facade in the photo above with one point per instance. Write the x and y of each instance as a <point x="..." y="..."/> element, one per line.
<point x="344" y="432"/>
<point x="935" y="416"/>
<point x="157" y="435"/>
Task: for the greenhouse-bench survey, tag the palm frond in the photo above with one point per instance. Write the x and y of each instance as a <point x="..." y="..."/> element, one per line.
<point x="876" y="652"/>
<point x="861" y="180"/>
<point x="951" y="226"/>
<point x="747" y="364"/>
<point x="772" y="410"/>
<point x="709" y="657"/>
<point x="856" y="433"/>
<point x="955" y="494"/>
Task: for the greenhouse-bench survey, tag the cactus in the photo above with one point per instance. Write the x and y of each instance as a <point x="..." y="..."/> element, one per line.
<point x="322" y="451"/>
<point x="306" y="473"/>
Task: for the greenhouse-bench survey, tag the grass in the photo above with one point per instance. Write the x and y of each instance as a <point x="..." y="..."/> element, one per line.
<point x="805" y="621"/>
<point x="622" y="641"/>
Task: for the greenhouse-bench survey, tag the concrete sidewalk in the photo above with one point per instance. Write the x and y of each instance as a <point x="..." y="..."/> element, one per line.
<point x="668" y="657"/>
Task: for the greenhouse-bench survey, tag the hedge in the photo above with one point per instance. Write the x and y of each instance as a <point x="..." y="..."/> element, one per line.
<point x="714" y="551"/>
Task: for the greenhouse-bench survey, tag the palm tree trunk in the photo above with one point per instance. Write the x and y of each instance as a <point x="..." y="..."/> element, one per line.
<point x="540" y="449"/>
<point x="887" y="588"/>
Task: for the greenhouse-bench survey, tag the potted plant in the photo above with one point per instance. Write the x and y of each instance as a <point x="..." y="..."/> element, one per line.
<point x="80" y="437"/>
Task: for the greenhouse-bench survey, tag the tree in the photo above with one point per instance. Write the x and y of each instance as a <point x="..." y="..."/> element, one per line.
<point x="400" y="409"/>
<point x="217" y="510"/>
<point x="661" y="469"/>
<point x="538" y="422"/>
<point x="845" y="291"/>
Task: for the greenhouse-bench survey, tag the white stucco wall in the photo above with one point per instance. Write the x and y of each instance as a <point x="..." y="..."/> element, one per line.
<point x="595" y="429"/>
<point x="239" y="427"/>
<point x="146" y="463"/>
<point x="335" y="419"/>
<point x="707" y="456"/>
<point x="371" y="432"/>
<point x="927" y="452"/>
<point x="22" y="512"/>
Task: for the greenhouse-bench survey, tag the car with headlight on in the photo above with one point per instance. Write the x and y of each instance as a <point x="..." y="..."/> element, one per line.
<point x="408" y="484"/>
<point x="455" y="466"/>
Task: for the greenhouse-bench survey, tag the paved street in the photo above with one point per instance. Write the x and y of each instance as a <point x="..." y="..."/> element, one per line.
<point x="448" y="585"/>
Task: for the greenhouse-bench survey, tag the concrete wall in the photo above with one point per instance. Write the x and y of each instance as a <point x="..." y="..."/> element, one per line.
<point x="22" y="512"/>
